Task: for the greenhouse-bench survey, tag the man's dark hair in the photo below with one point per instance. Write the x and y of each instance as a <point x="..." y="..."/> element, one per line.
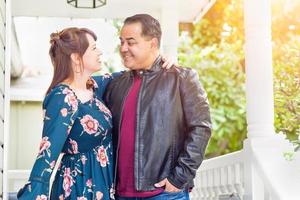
<point x="150" y="26"/>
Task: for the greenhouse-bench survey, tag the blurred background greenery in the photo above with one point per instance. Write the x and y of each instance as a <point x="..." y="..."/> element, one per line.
<point x="214" y="47"/>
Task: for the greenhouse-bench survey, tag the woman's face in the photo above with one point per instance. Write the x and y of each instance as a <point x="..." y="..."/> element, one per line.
<point x="92" y="57"/>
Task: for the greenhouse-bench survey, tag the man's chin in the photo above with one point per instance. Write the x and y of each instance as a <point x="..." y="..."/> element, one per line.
<point x="129" y="66"/>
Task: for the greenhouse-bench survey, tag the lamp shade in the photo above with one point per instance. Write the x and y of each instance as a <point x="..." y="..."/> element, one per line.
<point x="87" y="3"/>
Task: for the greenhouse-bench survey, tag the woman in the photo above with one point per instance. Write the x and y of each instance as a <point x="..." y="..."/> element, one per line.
<point x="76" y="123"/>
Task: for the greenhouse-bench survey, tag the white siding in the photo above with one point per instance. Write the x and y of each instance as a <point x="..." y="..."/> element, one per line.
<point x="1" y="110"/>
<point x="2" y="57"/>
<point x="24" y="137"/>
<point x="2" y="81"/>
<point x="25" y="133"/>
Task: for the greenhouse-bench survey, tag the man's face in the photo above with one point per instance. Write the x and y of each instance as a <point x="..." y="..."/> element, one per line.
<point x="135" y="49"/>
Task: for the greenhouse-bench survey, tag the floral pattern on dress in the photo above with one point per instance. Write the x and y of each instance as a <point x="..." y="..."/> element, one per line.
<point x="70" y="98"/>
<point x="41" y="197"/>
<point x="103" y="108"/>
<point x="44" y="147"/>
<point x="74" y="146"/>
<point x="102" y="156"/>
<point x="82" y="132"/>
<point x="89" y="124"/>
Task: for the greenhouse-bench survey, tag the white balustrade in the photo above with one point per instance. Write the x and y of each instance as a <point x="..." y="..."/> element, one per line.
<point x="220" y="175"/>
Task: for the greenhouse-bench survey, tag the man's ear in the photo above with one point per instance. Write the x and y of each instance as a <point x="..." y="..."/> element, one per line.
<point x="75" y="58"/>
<point x="154" y="43"/>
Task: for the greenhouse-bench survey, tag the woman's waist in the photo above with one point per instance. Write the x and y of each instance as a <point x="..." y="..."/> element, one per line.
<point x="74" y="147"/>
<point x="99" y="152"/>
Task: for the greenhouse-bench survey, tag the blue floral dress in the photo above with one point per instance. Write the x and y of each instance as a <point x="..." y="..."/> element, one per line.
<point x="82" y="131"/>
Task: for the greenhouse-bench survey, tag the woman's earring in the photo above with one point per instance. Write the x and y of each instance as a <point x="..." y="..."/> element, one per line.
<point x="76" y="71"/>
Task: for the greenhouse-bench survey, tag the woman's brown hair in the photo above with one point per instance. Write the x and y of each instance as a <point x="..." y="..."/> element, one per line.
<point x="63" y="44"/>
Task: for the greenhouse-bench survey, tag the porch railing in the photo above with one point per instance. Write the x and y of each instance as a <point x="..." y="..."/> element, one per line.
<point x="220" y="176"/>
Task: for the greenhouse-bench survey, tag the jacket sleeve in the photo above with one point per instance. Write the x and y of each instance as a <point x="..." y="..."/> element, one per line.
<point x="60" y="108"/>
<point x="198" y="129"/>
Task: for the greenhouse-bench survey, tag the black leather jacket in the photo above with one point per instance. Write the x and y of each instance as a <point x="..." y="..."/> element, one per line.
<point x="173" y="124"/>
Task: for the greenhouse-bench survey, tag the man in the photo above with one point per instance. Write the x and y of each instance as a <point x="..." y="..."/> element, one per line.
<point x="161" y="120"/>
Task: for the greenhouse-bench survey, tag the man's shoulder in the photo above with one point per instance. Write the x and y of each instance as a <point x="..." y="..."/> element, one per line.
<point x="182" y="71"/>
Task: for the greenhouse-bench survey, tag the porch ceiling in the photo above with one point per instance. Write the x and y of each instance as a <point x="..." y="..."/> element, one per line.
<point x="188" y="10"/>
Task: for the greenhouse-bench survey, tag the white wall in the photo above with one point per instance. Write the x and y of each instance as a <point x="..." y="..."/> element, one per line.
<point x="25" y="133"/>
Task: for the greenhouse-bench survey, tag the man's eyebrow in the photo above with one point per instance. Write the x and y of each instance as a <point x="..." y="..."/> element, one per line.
<point x="130" y="38"/>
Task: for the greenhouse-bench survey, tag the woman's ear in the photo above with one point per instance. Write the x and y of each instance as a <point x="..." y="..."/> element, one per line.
<point x="75" y="58"/>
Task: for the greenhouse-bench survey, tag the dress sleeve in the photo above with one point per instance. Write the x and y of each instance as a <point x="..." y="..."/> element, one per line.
<point x="103" y="81"/>
<point x="60" y="109"/>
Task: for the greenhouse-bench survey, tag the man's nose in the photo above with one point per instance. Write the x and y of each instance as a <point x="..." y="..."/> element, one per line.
<point x="123" y="48"/>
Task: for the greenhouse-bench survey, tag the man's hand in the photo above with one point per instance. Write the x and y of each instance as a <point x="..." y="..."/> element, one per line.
<point x="168" y="186"/>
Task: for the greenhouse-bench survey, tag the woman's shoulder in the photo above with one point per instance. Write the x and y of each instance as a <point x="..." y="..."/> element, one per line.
<point x="60" y="94"/>
<point x="60" y="89"/>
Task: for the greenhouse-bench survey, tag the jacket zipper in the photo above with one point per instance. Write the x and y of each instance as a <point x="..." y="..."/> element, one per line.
<point x="119" y="130"/>
<point x="137" y="136"/>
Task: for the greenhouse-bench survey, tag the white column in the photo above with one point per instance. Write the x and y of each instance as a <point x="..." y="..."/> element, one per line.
<point x="259" y="94"/>
<point x="266" y="171"/>
<point x="259" y="88"/>
<point x="258" y="55"/>
<point x="170" y="29"/>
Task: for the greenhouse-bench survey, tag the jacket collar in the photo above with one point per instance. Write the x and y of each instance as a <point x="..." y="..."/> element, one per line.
<point x="156" y="66"/>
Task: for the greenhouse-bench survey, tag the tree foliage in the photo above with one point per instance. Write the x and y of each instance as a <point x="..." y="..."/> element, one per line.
<point x="215" y="50"/>
<point x="286" y="62"/>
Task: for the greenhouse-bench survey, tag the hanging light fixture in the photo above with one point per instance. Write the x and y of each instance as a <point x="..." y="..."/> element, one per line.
<point x="87" y="3"/>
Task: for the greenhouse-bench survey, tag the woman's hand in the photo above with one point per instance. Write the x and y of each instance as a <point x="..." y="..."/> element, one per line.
<point x="167" y="62"/>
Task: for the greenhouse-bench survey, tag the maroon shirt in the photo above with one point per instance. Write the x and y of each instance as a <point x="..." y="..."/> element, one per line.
<point x="126" y="187"/>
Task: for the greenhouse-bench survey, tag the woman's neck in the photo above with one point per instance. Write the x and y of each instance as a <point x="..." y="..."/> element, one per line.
<point x="79" y="81"/>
